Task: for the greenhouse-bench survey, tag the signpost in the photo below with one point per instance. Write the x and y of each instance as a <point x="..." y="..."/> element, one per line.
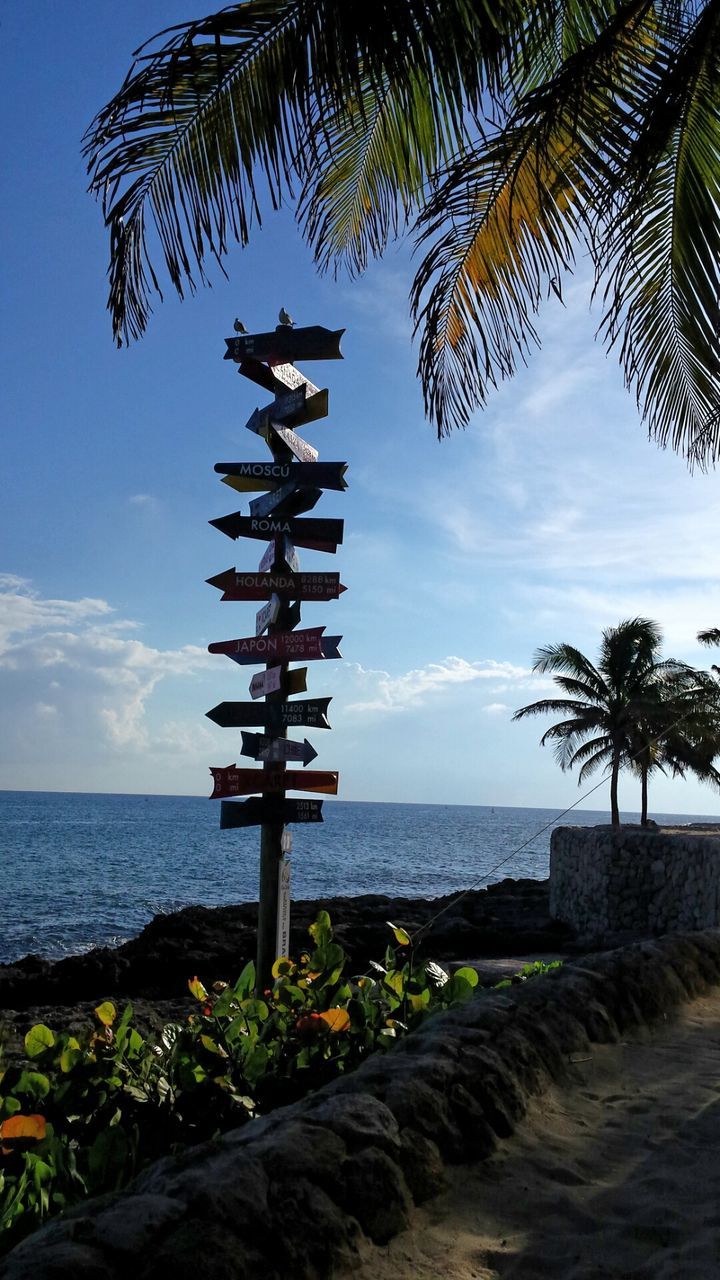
<point x="311" y="713"/>
<point x="303" y="533"/>
<point x="256" y="811"/>
<point x="251" y="477"/>
<point x="262" y="746"/>
<point x="290" y="484"/>
<point x="280" y="646"/>
<point x="290" y="586"/>
<point x="231" y="781"/>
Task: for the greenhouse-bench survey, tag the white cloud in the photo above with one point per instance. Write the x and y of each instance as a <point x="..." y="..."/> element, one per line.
<point x="384" y="692"/>
<point x="497" y="709"/>
<point x="61" y="666"/>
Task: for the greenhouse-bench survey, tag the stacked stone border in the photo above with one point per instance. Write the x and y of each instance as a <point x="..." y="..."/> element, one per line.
<point x="606" y="880"/>
<point x="293" y="1195"/>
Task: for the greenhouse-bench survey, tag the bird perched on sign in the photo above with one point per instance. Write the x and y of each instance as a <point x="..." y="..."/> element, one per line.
<point x="238" y="326"/>
<point x="284" y="318"/>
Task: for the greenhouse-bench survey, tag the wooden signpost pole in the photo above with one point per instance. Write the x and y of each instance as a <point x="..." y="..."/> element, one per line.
<point x="293" y="482"/>
<point x="271" y="832"/>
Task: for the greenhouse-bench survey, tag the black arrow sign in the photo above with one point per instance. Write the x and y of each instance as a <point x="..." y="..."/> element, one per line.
<point x="311" y="713"/>
<point x="252" y="813"/>
<point x="286" y="343"/>
<point x="286" y="501"/>
<point x="304" y="533"/>
<point x="263" y="746"/>
<point x="254" y="476"/>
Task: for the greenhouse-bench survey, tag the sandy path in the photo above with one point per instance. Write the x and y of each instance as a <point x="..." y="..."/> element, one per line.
<point x="616" y="1177"/>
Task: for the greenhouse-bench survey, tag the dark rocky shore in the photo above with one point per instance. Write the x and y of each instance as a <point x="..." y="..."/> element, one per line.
<point x="508" y="918"/>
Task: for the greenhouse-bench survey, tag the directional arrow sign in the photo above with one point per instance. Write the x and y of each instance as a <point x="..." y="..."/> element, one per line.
<point x="289" y="586"/>
<point x="251" y="477"/>
<point x="265" y="682"/>
<point x="266" y="616"/>
<point x="292" y="408"/>
<point x="231" y="781"/>
<point x="306" y="645"/>
<point x="283" y="550"/>
<point x="252" y="813"/>
<point x="310" y="713"/>
<point x="300" y="448"/>
<point x="286" y="344"/>
<point x="270" y="681"/>
<point x="262" y="746"/>
<point x="288" y="500"/>
<point x="276" y="379"/>
<point x="304" y="533"/>
<point x="289" y="616"/>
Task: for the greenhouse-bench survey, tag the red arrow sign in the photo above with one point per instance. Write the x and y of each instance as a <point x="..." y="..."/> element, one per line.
<point x="288" y="586"/>
<point x="231" y="781"/>
<point x="307" y="645"/>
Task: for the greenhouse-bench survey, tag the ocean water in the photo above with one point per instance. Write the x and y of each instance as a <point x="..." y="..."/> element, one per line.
<point x="90" y="870"/>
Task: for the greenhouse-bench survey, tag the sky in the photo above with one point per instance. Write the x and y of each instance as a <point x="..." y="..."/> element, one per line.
<point x="550" y="518"/>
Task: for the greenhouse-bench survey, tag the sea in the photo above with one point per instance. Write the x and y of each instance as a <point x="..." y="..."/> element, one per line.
<point x="81" y="871"/>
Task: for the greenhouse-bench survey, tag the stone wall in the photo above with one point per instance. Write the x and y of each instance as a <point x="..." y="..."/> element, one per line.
<point x="295" y="1193"/>
<point x="606" y="880"/>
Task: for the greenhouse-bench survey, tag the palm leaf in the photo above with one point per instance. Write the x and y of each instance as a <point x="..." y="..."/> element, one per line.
<point x="220" y="115"/>
<point x="663" y="250"/>
<point x="371" y="170"/>
<point x="504" y="224"/>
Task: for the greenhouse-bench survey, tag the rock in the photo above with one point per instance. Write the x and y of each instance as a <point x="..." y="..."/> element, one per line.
<point x="508" y="918"/>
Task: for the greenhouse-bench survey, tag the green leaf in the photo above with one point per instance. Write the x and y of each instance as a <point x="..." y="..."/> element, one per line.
<point x="106" y="1158"/>
<point x="470" y="975"/>
<point x="401" y="935"/>
<point x="321" y="930"/>
<point x="33" y="1083"/>
<point x="38" y="1040"/>
<point x="106" y="1013"/>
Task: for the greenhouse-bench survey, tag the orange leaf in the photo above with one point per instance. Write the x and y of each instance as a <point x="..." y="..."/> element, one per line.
<point x="20" y="1126"/>
<point x="197" y="989"/>
<point x="337" y="1019"/>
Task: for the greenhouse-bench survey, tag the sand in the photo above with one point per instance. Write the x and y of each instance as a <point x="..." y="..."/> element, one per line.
<point x="617" y="1176"/>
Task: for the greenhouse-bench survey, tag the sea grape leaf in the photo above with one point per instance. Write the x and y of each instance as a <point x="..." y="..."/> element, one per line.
<point x="470" y="975"/>
<point x="22" y="1126"/>
<point x="38" y="1039"/>
<point x="401" y="935"/>
<point x="321" y="930"/>
<point x="106" y="1013"/>
<point x="336" y="1019"/>
<point x="197" y="989"/>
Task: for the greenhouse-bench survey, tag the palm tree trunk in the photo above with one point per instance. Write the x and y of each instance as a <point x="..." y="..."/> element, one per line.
<point x="614" y="808"/>
<point x="644" y="796"/>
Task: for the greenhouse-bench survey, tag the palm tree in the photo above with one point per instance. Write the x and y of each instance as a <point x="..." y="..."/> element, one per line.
<point x="612" y="707"/>
<point x="711" y="637"/>
<point x="511" y="136"/>
<point x="678" y="729"/>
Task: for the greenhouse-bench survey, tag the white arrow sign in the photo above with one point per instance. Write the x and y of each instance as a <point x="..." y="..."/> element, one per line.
<point x="265" y="617"/>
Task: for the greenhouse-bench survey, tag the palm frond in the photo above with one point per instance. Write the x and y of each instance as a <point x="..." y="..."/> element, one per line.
<point x="662" y="255"/>
<point x="370" y="169"/>
<point x="216" y="117"/>
<point x="503" y="226"/>
<point x="710" y="637"/>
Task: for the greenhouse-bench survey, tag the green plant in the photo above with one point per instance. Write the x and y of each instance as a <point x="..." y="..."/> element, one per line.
<point x="85" y="1112"/>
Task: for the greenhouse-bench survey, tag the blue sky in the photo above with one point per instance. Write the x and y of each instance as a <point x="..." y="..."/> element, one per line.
<point x="550" y="518"/>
